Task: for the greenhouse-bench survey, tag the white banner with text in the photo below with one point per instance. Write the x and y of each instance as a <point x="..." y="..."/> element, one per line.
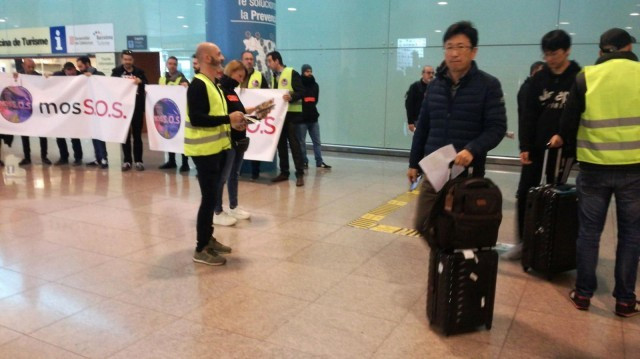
<point x="67" y="106"/>
<point x="165" y="112"/>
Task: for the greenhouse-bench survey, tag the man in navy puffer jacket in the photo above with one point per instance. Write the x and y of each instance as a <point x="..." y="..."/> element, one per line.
<point x="464" y="106"/>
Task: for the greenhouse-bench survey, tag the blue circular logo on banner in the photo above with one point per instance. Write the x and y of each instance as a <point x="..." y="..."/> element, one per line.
<point x="15" y="104"/>
<point x="166" y="116"/>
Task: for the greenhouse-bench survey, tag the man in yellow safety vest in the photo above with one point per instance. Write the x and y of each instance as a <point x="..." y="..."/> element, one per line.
<point x="602" y="121"/>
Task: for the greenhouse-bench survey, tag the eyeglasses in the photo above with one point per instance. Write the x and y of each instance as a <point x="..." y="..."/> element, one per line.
<point x="459" y="48"/>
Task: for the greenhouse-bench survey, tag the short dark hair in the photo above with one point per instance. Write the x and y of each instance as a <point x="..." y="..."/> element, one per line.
<point x="275" y="55"/>
<point x="172" y="58"/>
<point x="69" y="66"/>
<point x="85" y="60"/>
<point x="462" y="28"/>
<point x="126" y="52"/>
<point x="248" y="52"/>
<point x="555" y="40"/>
<point x="535" y="65"/>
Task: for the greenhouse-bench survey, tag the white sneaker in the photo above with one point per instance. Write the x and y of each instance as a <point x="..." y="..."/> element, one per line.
<point x="513" y="254"/>
<point x="238" y="213"/>
<point x="223" y="219"/>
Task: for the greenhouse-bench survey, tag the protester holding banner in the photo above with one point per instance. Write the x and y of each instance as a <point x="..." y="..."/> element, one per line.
<point x="68" y="69"/>
<point x="206" y="141"/>
<point x="287" y="78"/>
<point x="234" y="74"/>
<point x="173" y="77"/>
<point x="29" y="68"/>
<point x="196" y="66"/>
<point x="254" y="79"/>
<point x="99" y="147"/>
<point x="127" y="70"/>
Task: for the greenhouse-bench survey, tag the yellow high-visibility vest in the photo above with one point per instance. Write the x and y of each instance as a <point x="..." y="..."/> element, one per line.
<point x="284" y="82"/>
<point x="204" y="141"/>
<point x="255" y="80"/>
<point x="609" y="131"/>
<point x="163" y="81"/>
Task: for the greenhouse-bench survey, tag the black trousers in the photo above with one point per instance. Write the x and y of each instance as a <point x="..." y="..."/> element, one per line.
<point x="530" y="177"/>
<point x="172" y="158"/>
<point x="64" y="150"/>
<point x="209" y="174"/>
<point x="136" y="131"/>
<point x="288" y="135"/>
<point x="26" y="147"/>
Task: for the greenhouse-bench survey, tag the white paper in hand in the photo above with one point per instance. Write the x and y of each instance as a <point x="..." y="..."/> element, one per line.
<point x="436" y="166"/>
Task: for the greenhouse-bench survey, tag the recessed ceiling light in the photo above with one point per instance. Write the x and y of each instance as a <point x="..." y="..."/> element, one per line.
<point x="292" y="9"/>
<point x="628" y="28"/>
<point x="442" y="3"/>
<point x="438" y="30"/>
<point x="198" y="4"/>
<point x="185" y="26"/>
<point x="572" y="33"/>
<point x="3" y="20"/>
<point x="564" y="23"/>
<point x="180" y="17"/>
<point x="634" y="14"/>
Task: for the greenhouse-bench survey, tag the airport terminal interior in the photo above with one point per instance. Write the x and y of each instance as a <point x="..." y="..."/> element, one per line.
<point x="97" y="263"/>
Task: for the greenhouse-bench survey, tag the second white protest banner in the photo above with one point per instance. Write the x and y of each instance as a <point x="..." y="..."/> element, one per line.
<point x="166" y="111"/>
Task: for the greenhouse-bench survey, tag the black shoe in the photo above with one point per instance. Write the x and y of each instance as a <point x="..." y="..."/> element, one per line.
<point x="185" y="168"/>
<point x="300" y="181"/>
<point x="627" y="309"/>
<point x="126" y="166"/>
<point x="255" y="177"/>
<point x="60" y="162"/>
<point x="168" y="165"/>
<point x="46" y="161"/>
<point x="93" y="164"/>
<point x="24" y="162"/>
<point x="77" y="163"/>
<point x="324" y="165"/>
<point x="281" y="177"/>
<point x="579" y="301"/>
<point x="104" y="164"/>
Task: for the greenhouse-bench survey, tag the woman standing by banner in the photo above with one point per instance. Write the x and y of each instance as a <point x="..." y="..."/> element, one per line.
<point x="234" y="74"/>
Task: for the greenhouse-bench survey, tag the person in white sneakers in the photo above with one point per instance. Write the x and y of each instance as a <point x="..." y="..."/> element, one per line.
<point x="234" y="74"/>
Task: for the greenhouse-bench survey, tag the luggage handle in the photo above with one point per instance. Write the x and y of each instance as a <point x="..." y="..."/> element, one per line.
<point x="556" y="171"/>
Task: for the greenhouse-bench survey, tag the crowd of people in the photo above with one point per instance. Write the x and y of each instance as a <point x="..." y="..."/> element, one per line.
<point x="591" y="112"/>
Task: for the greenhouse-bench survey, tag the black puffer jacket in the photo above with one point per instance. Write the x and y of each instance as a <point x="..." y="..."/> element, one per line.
<point x="472" y="117"/>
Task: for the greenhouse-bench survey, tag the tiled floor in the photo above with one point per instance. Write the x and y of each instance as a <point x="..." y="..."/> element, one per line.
<point x="98" y="264"/>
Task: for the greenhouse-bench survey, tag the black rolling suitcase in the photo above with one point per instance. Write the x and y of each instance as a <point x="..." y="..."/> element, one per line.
<point x="550" y="225"/>
<point x="461" y="290"/>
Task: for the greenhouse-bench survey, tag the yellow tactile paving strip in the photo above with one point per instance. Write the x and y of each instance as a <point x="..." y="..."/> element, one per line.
<point x="371" y="220"/>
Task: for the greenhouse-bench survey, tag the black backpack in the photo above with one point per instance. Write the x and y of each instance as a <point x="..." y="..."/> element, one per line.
<point x="467" y="214"/>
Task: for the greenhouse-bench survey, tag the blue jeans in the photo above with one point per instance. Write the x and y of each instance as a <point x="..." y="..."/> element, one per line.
<point x="100" y="148"/>
<point x="229" y="175"/>
<point x="594" y="194"/>
<point x="314" y="133"/>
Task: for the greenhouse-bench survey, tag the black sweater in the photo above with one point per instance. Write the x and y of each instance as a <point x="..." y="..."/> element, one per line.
<point x="228" y="85"/>
<point x="413" y="100"/>
<point x="310" y="98"/>
<point x="546" y="99"/>
<point x="121" y="72"/>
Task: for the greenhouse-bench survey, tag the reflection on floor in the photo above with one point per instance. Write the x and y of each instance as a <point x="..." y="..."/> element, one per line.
<point x="97" y="263"/>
